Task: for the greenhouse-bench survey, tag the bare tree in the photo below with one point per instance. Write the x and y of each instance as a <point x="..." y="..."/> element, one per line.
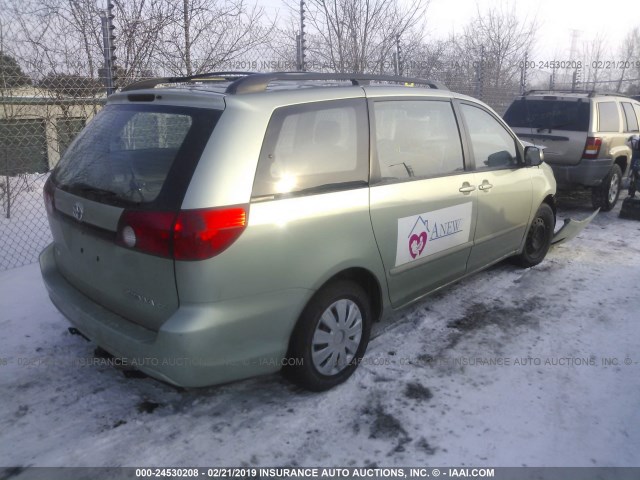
<point x="139" y="26"/>
<point x="283" y="44"/>
<point x="498" y="40"/>
<point x="629" y="52"/>
<point x="428" y="59"/>
<point x="359" y="35"/>
<point x="206" y="34"/>
<point x="594" y="52"/>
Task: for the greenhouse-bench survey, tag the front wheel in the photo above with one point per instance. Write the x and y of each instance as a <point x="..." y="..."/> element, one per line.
<point x="538" y="239"/>
<point x="605" y="195"/>
<point x="330" y="337"/>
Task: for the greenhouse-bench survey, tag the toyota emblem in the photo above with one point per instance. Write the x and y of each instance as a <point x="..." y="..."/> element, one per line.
<point x="78" y="211"/>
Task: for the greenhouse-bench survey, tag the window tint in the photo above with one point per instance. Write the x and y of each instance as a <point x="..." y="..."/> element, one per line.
<point x="636" y="109"/>
<point x="548" y="114"/>
<point x="314" y="148"/>
<point x="153" y="130"/>
<point x="127" y="152"/>
<point x="630" y="117"/>
<point x="492" y="144"/>
<point x="608" y="119"/>
<point x="417" y="139"/>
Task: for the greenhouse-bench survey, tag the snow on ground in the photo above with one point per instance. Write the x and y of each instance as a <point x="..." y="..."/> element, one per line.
<point x="422" y="396"/>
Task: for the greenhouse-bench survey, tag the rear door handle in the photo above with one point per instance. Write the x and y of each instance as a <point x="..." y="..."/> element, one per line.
<point x="485" y="185"/>
<point x="467" y="188"/>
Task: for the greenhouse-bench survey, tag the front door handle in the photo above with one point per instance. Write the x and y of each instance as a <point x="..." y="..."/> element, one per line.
<point x="485" y="185"/>
<point x="467" y="188"/>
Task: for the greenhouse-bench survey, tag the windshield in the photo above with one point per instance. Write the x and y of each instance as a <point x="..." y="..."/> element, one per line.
<point x="548" y="114"/>
<point x="127" y="153"/>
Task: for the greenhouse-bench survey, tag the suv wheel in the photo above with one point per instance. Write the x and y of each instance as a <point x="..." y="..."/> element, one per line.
<point x="538" y="239"/>
<point x="605" y="195"/>
<point x="330" y="337"/>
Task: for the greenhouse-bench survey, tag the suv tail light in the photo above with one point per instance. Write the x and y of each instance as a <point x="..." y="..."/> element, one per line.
<point x="185" y="235"/>
<point x="592" y="147"/>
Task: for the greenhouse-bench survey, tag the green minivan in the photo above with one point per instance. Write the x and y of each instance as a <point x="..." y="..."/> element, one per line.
<point x="217" y="227"/>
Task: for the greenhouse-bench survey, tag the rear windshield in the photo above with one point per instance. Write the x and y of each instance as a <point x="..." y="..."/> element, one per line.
<point x="548" y="114"/>
<point x="140" y="155"/>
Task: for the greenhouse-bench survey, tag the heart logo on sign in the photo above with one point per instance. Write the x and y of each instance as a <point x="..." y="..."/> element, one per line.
<point x="417" y="244"/>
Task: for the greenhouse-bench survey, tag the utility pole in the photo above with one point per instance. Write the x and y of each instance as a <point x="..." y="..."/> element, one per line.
<point x="574" y="39"/>
<point x="575" y="77"/>
<point x="108" y="73"/>
<point x="480" y="75"/>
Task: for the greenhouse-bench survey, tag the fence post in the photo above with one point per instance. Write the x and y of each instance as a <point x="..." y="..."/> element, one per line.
<point x="301" y="41"/>
<point x="398" y="57"/>
<point x="575" y="80"/>
<point x="523" y="75"/>
<point x="108" y="47"/>
<point x="480" y="75"/>
<point x="7" y="184"/>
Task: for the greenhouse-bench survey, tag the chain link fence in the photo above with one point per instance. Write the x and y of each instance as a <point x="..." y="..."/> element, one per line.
<point x="37" y="124"/>
<point x="39" y="120"/>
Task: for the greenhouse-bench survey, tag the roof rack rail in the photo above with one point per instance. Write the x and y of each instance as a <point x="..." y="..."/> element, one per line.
<point x="249" y="82"/>
<point x="210" y="76"/>
<point x="609" y="94"/>
<point x="259" y="81"/>
<point x="591" y="93"/>
<point x="561" y="90"/>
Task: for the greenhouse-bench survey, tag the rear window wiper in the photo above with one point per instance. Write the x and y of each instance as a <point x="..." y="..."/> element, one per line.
<point x="92" y="190"/>
<point x="554" y="127"/>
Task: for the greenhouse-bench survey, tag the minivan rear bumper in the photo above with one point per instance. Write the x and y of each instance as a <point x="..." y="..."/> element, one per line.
<point x="199" y="345"/>
<point x="589" y="172"/>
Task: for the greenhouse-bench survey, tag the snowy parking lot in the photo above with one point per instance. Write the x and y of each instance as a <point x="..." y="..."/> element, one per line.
<point x="510" y="367"/>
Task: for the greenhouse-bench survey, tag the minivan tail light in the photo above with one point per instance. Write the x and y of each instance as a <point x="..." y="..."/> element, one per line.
<point x="592" y="147"/>
<point x="205" y="233"/>
<point x="185" y="235"/>
<point x="149" y="232"/>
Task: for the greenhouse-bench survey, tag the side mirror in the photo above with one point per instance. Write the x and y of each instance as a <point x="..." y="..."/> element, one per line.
<point x="533" y="156"/>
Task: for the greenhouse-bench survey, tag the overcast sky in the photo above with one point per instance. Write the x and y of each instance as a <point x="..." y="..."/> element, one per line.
<point x="557" y="20"/>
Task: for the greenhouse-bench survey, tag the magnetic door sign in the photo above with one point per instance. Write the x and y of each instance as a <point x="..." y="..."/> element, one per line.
<point x="422" y="235"/>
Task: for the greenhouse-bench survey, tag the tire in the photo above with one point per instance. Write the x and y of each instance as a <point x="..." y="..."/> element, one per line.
<point x="605" y="196"/>
<point x="538" y="238"/>
<point x="315" y="364"/>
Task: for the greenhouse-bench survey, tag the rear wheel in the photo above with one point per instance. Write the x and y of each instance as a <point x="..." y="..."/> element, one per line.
<point x="330" y="337"/>
<point x="605" y="196"/>
<point x="538" y="239"/>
